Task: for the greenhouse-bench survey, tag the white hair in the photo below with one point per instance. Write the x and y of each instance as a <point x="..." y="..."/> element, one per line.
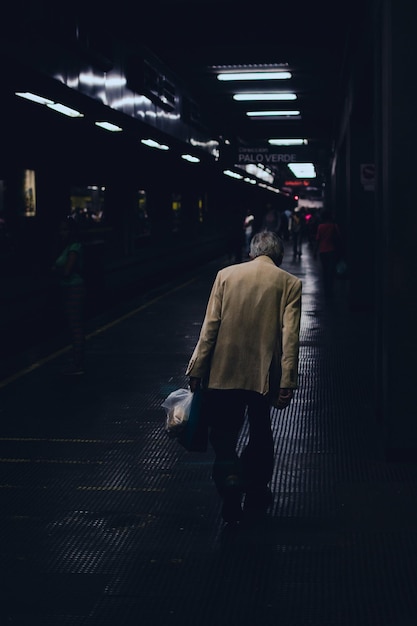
<point x="267" y="243"/>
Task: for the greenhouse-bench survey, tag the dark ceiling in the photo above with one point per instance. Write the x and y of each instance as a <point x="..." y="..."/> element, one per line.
<point x="312" y="39"/>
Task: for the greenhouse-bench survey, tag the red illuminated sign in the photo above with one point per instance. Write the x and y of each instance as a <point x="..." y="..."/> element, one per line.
<point x="296" y="183"/>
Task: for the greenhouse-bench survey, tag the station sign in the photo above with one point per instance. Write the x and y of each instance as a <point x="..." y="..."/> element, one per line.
<point x="297" y="183"/>
<point x="273" y="155"/>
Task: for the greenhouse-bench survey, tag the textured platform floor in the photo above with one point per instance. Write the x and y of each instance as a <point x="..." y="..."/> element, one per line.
<point x="106" y="522"/>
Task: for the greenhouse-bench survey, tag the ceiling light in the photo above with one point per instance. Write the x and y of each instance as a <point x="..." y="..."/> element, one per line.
<point x="154" y="144"/>
<point x="108" y="126"/>
<point x="61" y="108"/>
<point x="274" y="189"/>
<point x="254" y="76"/>
<point x="259" y="172"/>
<point x="56" y="106"/>
<point x="245" y="97"/>
<point x="302" y="170"/>
<point x="232" y="174"/>
<point x="190" y="158"/>
<point x="269" y="187"/>
<point x="33" y="97"/>
<point x="271" y="113"/>
<point x="287" y="142"/>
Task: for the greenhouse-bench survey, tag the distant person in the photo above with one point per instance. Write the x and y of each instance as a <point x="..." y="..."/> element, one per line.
<point x="296" y="227"/>
<point x="312" y="225"/>
<point x="69" y="268"/>
<point x="328" y="243"/>
<point x="272" y="221"/>
<point x="247" y="358"/>
<point x="283" y="232"/>
<point x="248" y="226"/>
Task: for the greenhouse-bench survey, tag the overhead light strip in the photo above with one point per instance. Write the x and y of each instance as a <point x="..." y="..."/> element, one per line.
<point x="260" y="172"/>
<point x="154" y="144"/>
<point x="272" y="113"/>
<point x="288" y="142"/>
<point x="249" y="97"/>
<point x="33" y="97"/>
<point x="190" y="158"/>
<point x="274" y="189"/>
<point x="232" y="76"/>
<point x="55" y="106"/>
<point x="109" y="126"/>
<point x="62" y="108"/>
<point x="232" y="174"/>
<point x="302" y="170"/>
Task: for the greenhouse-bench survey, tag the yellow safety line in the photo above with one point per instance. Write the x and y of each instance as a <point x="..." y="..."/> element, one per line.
<point x="96" y="332"/>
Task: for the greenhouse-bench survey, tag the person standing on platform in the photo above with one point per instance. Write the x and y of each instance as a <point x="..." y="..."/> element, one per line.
<point x="296" y="231"/>
<point x="328" y="247"/>
<point x="69" y="267"/>
<point x="248" y="226"/>
<point x="272" y="220"/>
<point x="247" y="358"/>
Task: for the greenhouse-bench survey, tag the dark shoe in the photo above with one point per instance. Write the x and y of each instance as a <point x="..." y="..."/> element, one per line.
<point x="258" y="500"/>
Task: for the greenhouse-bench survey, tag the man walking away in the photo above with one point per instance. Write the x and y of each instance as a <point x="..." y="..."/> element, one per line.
<point x="247" y="358"/>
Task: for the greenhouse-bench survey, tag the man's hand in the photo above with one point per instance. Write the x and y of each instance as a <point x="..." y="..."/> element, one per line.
<point x="284" y="398"/>
<point x="194" y="383"/>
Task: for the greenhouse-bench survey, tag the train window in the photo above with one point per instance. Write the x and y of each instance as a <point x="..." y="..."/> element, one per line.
<point x="201" y="208"/>
<point x="87" y="204"/>
<point x="142" y="227"/>
<point x="176" y="212"/>
<point x="29" y="193"/>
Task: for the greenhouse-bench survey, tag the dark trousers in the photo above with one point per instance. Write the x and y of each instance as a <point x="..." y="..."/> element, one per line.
<point x="296" y="243"/>
<point x="226" y="415"/>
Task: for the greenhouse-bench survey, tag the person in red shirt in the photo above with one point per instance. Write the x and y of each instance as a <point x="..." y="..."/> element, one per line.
<point x="328" y="248"/>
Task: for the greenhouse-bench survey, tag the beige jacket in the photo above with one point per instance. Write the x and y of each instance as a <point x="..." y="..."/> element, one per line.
<point x="250" y="334"/>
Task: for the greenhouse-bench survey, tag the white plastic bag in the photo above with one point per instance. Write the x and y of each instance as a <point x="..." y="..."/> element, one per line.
<point x="177" y="406"/>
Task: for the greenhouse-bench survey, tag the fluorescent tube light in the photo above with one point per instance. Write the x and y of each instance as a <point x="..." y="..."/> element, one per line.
<point x="245" y="97"/>
<point x="190" y="158"/>
<point x="61" y="108"/>
<point x="274" y="189"/>
<point x="56" y="106"/>
<point x="154" y="144"/>
<point x="232" y="174"/>
<point x="259" y="172"/>
<point x="33" y="97"/>
<point x="109" y="126"/>
<point x="302" y="170"/>
<point x="254" y="76"/>
<point x="271" y="113"/>
<point x="287" y="142"/>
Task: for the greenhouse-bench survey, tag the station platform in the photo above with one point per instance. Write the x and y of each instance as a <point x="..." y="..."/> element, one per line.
<point x="105" y="521"/>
